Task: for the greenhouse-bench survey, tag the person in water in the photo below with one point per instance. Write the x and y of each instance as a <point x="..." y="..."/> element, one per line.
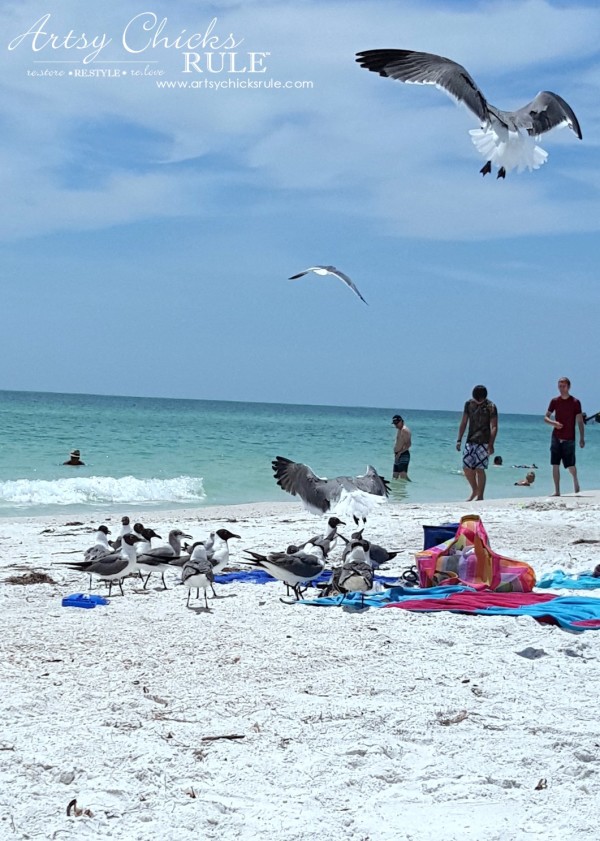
<point x="497" y="461"/>
<point x="402" y="446"/>
<point x="74" y="459"/>
<point x="528" y="480"/>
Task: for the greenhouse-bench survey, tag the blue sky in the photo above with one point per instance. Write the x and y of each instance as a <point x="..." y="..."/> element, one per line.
<point x="147" y="233"/>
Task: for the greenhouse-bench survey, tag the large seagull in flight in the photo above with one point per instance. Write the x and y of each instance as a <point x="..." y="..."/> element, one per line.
<point x="507" y="139"/>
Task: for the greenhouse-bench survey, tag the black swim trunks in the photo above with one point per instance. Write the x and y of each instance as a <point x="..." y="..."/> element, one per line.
<point x="562" y="451"/>
<point x="401" y="462"/>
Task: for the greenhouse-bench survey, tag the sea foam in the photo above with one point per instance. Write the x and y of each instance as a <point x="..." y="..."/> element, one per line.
<point x="100" y="490"/>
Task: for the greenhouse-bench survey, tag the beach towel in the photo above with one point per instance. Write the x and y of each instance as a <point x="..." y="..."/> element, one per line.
<point x="261" y="576"/>
<point x="469" y="559"/>
<point x="559" y="580"/>
<point x="573" y="613"/>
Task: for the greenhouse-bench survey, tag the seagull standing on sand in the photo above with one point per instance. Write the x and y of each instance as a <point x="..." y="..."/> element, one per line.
<point x="125" y="529"/>
<point x="329" y="537"/>
<point x="353" y="496"/>
<point x="158" y="560"/>
<point x="100" y="547"/>
<point x="197" y="572"/>
<point x="293" y="569"/>
<point x="355" y="575"/>
<point x="506" y="138"/>
<point x="325" y="270"/>
<point x="219" y="554"/>
<point x="376" y="555"/>
<point x="113" y="567"/>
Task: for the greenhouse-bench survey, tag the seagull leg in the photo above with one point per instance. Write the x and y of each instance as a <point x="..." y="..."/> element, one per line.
<point x="147" y="580"/>
<point x="121" y="586"/>
<point x="109" y="588"/>
<point x="501" y="173"/>
<point x="212" y="586"/>
<point x="486" y="168"/>
<point x="163" y="580"/>
<point x="187" y="604"/>
<point x="205" y="600"/>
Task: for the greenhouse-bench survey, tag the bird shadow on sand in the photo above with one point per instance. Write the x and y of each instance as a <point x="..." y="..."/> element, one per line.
<point x="354" y="608"/>
<point x="198" y="609"/>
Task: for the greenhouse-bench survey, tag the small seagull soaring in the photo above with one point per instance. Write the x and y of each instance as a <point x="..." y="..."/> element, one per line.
<point x="325" y="270"/>
<point x="506" y="138"/>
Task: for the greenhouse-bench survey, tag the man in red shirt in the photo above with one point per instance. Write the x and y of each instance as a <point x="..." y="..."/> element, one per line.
<point x="567" y="413"/>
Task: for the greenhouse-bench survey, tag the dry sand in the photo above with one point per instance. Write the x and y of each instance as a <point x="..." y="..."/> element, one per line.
<point x="374" y="725"/>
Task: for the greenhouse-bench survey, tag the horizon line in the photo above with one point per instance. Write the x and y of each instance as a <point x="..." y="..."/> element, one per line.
<point x="256" y="402"/>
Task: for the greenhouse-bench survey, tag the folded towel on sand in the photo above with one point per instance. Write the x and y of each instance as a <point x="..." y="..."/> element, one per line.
<point x="575" y="613"/>
<point x="559" y="580"/>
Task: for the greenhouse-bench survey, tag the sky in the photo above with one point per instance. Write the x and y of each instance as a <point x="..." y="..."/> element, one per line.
<point x="148" y="232"/>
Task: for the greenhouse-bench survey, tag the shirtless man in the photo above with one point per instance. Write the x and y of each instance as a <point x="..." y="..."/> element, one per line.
<point x="401" y="448"/>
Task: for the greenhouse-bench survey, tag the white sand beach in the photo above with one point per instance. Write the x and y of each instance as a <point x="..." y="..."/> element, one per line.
<point x="371" y="725"/>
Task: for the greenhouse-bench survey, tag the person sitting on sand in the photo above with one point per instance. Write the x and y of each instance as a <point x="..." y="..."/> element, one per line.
<point x="528" y="480"/>
<point x="74" y="459"/>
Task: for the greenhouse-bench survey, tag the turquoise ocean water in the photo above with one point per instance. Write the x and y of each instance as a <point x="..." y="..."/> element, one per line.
<point x="162" y="453"/>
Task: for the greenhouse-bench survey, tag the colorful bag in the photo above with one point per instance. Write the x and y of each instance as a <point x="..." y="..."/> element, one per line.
<point x="469" y="559"/>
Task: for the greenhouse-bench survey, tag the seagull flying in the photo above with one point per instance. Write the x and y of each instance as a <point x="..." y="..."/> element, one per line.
<point x="506" y="138"/>
<point x="325" y="270"/>
<point x="354" y="496"/>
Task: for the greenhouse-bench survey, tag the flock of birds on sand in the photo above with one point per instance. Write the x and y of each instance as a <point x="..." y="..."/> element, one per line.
<point x="197" y="563"/>
<point x="506" y="139"/>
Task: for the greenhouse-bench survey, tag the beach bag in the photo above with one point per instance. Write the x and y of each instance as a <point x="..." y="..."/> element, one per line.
<point x="469" y="559"/>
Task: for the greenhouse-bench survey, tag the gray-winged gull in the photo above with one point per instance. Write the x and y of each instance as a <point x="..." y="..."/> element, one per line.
<point x="353" y="496"/>
<point x="197" y="572"/>
<point x="113" y="567"/>
<point x="292" y="568"/>
<point x="158" y="559"/>
<point x="100" y="547"/>
<point x="325" y="270"/>
<point x="355" y="575"/>
<point x="506" y="138"/>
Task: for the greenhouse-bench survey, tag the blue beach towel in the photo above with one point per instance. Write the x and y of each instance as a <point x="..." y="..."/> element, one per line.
<point x="573" y="613"/>
<point x="559" y="580"/>
<point x="261" y="576"/>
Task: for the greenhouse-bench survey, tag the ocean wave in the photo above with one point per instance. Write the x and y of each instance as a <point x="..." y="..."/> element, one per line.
<point x="100" y="490"/>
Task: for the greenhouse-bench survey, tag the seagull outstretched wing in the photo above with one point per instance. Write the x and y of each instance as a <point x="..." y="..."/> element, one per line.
<point x="427" y="69"/>
<point x="325" y="270"/>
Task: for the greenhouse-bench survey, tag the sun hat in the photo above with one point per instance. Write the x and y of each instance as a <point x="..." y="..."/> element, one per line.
<point x="75" y="454"/>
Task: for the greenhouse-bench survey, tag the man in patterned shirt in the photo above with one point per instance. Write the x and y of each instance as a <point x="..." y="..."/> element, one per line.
<point x="482" y="416"/>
